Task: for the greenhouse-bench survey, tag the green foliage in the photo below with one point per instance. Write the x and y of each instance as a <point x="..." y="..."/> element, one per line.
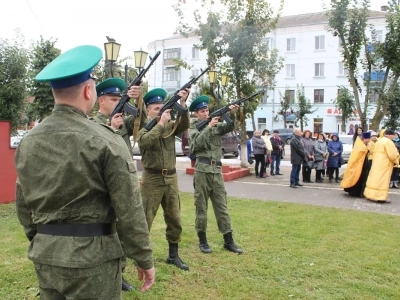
<point x="42" y="54"/>
<point x="393" y="112"/>
<point x="286" y="105"/>
<point x="348" y="19"/>
<point x="13" y="72"/>
<point x="345" y="102"/>
<point x="302" y="107"/>
<point x="233" y="39"/>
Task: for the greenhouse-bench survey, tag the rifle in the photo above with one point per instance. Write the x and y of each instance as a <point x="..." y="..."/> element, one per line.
<point x="123" y="104"/>
<point x="223" y="112"/>
<point x="172" y="102"/>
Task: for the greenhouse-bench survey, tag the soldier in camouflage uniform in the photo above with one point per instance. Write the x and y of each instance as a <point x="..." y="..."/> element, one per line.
<point x="76" y="179"/>
<point x="109" y="94"/>
<point x="160" y="181"/>
<point x="208" y="181"/>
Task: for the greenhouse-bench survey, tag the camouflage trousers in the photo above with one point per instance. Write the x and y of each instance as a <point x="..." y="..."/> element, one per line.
<point x="168" y="197"/>
<point x="102" y="282"/>
<point x="210" y="185"/>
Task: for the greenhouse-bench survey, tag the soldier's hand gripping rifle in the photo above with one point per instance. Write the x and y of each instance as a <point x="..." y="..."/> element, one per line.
<point x="173" y="102"/>
<point x="123" y="104"/>
<point x="224" y="112"/>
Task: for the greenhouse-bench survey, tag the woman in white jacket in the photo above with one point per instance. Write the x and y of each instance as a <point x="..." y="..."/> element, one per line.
<point x="265" y="136"/>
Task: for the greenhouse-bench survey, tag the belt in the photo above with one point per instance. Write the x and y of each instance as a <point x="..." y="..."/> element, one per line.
<point x="163" y="172"/>
<point x="78" y="230"/>
<point x="205" y="160"/>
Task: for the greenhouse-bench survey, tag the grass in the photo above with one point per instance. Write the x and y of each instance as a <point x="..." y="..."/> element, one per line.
<point x="291" y="252"/>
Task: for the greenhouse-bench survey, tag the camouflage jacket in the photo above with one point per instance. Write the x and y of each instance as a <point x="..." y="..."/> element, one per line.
<point x="127" y="128"/>
<point x="71" y="170"/>
<point x="158" y="152"/>
<point x="208" y="143"/>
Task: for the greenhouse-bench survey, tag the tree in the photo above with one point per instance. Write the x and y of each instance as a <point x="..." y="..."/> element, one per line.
<point x="302" y="107"/>
<point x="390" y="62"/>
<point x="43" y="53"/>
<point x="345" y="102"/>
<point x="393" y="115"/>
<point x="13" y="72"/>
<point x="286" y="105"/>
<point x="348" y="19"/>
<point x="234" y="41"/>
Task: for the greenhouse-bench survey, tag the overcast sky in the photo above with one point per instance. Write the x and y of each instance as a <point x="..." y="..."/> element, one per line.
<point x="133" y="23"/>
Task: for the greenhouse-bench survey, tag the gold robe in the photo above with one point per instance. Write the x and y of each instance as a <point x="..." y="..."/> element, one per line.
<point x="385" y="157"/>
<point x="355" y="164"/>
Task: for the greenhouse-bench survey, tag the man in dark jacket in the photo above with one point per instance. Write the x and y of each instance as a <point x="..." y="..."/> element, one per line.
<point x="277" y="147"/>
<point x="297" y="157"/>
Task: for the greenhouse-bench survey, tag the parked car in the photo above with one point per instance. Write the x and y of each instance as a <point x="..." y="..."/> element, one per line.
<point x="347" y="141"/>
<point x="285" y="134"/>
<point x="185" y="143"/>
<point x="178" y="147"/>
<point x="230" y="143"/>
<point x="14" y="141"/>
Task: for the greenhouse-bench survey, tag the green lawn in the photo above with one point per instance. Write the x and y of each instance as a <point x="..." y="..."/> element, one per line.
<point x="291" y="252"/>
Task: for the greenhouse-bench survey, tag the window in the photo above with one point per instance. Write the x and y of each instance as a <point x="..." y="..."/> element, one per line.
<point x="170" y="74"/>
<point x="319" y="69"/>
<point x="318" y="125"/>
<point x="269" y="42"/>
<point x="195" y="52"/>
<point x="373" y="97"/>
<point x="318" y="96"/>
<point x="342" y="69"/>
<point x="379" y="35"/>
<point x="289" y="94"/>
<point x="262" y="123"/>
<point x="172" y="53"/>
<point x="291" y="44"/>
<point x="290" y="70"/>
<point x="320" y="42"/>
<point x="195" y="73"/>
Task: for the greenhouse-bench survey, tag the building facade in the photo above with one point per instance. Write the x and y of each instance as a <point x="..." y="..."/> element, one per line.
<point x="312" y="58"/>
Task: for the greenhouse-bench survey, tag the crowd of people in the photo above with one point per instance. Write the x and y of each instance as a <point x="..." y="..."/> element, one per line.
<point x="373" y="166"/>
<point x="324" y="155"/>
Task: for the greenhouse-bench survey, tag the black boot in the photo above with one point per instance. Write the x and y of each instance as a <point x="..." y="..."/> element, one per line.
<point x="229" y="244"/>
<point x="203" y="245"/>
<point x="126" y="286"/>
<point x="173" y="257"/>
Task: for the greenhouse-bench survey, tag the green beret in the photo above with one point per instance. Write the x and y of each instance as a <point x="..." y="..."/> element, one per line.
<point x="199" y="102"/>
<point x="72" y="67"/>
<point x="155" y="96"/>
<point x="111" y="86"/>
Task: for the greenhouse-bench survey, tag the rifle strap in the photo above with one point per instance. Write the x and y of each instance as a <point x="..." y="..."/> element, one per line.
<point x="136" y="123"/>
<point x="175" y="126"/>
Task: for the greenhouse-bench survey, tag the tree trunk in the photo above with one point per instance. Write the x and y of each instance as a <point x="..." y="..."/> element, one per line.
<point x="379" y="113"/>
<point x="253" y="121"/>
<point x="301" y="123"/>
<point x="243" y="147"/>
<point x="343" y="125"/>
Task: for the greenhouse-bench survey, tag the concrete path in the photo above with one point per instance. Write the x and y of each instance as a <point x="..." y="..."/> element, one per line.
<point x="276" y="188"/>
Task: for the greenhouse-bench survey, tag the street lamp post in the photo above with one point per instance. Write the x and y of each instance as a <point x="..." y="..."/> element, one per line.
<point x="212" y="76"/>
<point x="112" y="50"/>
<point x="140" y="61"/>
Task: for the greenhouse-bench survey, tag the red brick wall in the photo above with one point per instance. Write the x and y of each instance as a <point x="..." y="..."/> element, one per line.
<point x="8" y="173"/>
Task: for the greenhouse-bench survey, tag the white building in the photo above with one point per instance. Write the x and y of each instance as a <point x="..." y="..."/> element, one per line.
<point x="312" y="58"/>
